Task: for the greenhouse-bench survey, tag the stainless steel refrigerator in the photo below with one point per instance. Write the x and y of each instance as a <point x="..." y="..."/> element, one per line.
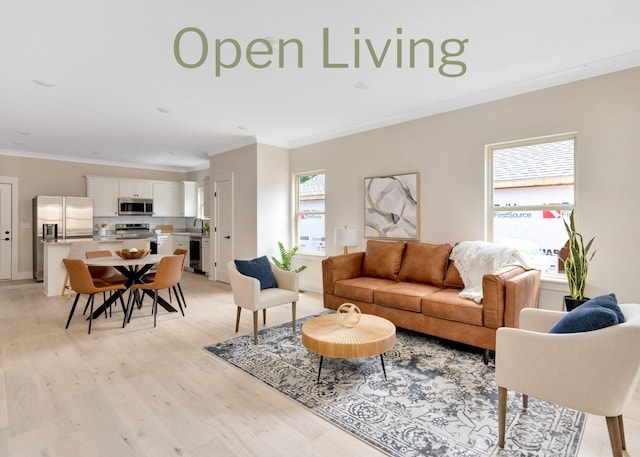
<point x="58" y="218"/>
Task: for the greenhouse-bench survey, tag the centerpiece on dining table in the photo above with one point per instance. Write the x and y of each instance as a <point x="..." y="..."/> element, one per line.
<point x="133" y="253"/>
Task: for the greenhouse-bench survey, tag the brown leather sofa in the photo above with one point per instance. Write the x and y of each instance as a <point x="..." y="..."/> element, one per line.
<point x="416" y="286"/>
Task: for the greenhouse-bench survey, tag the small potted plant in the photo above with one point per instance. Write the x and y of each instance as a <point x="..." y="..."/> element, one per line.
<point x="576" y="265"/>
<point x="285" y="259"/>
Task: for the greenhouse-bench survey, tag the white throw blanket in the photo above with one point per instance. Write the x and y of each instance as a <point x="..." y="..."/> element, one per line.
<point x="474" y="259"/>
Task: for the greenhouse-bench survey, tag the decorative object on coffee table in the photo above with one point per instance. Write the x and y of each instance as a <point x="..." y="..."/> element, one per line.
<point x="348" y="314"/>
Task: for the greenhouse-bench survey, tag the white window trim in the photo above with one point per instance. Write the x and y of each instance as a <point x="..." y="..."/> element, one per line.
<point x="552" y="279"/>
<point x="296" y="213"/>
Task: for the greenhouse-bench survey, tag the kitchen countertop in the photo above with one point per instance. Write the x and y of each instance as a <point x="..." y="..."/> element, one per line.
<point x="99" y="239"/>
<point x="191" y="234"/>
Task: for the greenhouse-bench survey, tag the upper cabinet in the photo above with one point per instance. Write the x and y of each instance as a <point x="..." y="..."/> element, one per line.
<point x="170" y="198"/>
<point x="189" y="199"/>
<point x="166" y="199"/>
<point x="133" y="188"/>
<point x="206" y="200"/>
<point x="105" y="195"/>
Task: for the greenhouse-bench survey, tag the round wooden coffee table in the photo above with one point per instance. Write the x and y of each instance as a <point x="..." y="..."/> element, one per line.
<point x="325" y="336"/>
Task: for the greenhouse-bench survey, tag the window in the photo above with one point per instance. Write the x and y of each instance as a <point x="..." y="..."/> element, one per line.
<point x="309" y="229"/>
<point x="531" y="189"/>
<point x="200" y="203"/>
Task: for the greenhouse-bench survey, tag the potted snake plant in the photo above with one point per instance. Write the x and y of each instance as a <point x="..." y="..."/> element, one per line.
<point x="576" y="265"/>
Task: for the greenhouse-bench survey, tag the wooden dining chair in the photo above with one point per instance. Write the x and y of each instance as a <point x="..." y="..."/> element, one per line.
<point x="166" y="276"/>
<point x="82" y="283"/>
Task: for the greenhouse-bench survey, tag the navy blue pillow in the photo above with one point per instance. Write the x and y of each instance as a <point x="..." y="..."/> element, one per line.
<point x="606" y="301"/>
<point x="260" y="269"/>
<point x="597" y="313"/>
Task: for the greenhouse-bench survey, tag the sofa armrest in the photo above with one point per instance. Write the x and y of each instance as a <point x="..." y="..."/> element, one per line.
<point x="506" y="291"/>
<point x="339" y="267"/>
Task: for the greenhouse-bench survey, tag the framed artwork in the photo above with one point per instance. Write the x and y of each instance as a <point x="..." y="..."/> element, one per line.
<point x="392" y="207"/>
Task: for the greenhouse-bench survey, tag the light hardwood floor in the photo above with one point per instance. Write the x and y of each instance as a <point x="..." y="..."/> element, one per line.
<point x="141" y="391"/>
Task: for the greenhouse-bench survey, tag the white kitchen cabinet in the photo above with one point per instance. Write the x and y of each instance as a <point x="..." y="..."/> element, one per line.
<point x="104" y="192"/>
<point x="181" y="242"/>
<point x="206" y="197"/>
<point x="189" y="199"/>
<point x="166" y="199"/>
<point x="135" y="188"/>
<point x="206" y="255"/>
<point x="165" y="244"/>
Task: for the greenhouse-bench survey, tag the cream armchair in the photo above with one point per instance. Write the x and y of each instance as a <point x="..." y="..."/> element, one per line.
<point x="595" y="372"/>
<point x="247" y="294"/>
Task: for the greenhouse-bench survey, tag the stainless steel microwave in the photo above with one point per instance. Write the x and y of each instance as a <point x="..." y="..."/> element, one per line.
<point x="135" y="207"/>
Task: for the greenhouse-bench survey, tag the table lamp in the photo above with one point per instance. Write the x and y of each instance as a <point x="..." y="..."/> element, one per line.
<point x="345" y="237"/>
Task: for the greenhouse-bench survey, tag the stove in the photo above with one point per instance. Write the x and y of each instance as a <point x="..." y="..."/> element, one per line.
<point x="133" y="231"/>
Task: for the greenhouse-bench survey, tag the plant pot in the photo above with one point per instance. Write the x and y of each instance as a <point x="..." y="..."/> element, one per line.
<point x="572" y="303"/>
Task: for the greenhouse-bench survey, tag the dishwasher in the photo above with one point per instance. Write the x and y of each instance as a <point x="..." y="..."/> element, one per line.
<point x="195" y="254"/>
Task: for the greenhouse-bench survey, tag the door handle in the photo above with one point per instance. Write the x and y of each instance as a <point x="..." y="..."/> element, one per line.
<point x="228" y="237"/>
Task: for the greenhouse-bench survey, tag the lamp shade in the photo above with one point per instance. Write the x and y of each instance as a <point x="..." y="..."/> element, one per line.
<point x="345" y="237"/>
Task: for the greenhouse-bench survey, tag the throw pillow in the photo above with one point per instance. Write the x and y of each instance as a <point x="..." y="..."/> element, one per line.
<point x="382" y="259"/>
<point x="260" y="269"/>
<point x="597" y="313"/>
<point x="607" y="301"/>
<point x="425" y="263"/>
<point x="452" y="278"/>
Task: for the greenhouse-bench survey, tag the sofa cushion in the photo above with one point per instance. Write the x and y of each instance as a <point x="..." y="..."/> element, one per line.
<point x="403" y="295"/>
<point x="382" y="259"/>
<point x="453" y="278"/>
<point x="597" y="313"/>
<point x="360" y="289"/>
<point x="446" y="304"/>
<point x="260" y="269"/>
<point x="425" y="263"/>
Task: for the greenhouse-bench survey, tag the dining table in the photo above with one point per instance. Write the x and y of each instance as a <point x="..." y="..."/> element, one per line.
<point x="133" y="270"/>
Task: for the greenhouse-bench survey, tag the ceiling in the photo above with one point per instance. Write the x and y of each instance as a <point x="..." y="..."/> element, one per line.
<point x="99" y="81"/>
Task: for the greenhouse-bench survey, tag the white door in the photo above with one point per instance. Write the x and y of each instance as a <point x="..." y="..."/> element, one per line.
<point x="223" y="197"/>
<point x="5" y="231"/>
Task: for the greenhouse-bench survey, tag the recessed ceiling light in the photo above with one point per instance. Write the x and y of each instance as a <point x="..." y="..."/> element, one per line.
<point x="95" y="153"/>
<point x="243" y="128"/>
<point x="164" y="110"/>
<point x="18" y="143"/>
<point x="361" y="85"/>
<point x="172" y="153"/>
<point x="23" y="132"/>
<point x="43" y="83"/>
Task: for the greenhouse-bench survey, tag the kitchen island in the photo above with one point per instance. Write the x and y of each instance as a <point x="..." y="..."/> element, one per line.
<point x="56" y="250"/>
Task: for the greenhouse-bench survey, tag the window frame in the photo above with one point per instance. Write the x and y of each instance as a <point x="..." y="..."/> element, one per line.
<point x="490" y="209"/>
<point x="297" y="212"/>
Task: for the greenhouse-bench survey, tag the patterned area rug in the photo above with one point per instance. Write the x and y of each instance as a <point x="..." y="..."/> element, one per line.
<point x="439" y="398"/>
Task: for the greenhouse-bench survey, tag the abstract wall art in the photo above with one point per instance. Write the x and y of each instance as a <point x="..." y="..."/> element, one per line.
<point x="391" y="207"/>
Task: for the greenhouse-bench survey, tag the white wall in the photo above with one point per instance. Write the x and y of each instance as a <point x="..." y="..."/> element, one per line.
<point x="448" y="152"/>
<point x="242" y="163"/>
<point x="274" y="199"/>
